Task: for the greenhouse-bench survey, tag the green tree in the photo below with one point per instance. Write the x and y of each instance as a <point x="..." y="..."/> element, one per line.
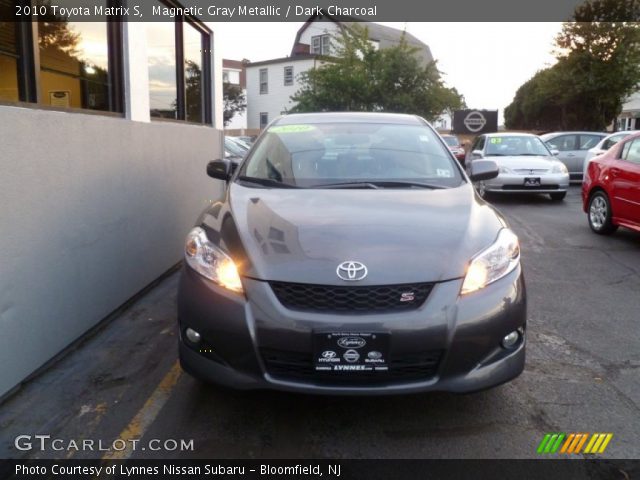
<point x="234" y="101"/>
<point x="359" y="77"/>
<point x="598" y="67"/>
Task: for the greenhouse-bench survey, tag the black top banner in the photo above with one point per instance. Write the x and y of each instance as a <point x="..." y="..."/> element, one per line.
<point x="320" y="469"/>
<point x="297" y="11"/>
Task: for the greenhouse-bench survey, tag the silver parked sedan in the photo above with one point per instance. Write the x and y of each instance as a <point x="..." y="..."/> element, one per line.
<point x="525" y="162"/>
<point x="572" y="148"/>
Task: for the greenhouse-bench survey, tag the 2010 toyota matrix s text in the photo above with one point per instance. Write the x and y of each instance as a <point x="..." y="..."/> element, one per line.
<point x="350" y="254"/>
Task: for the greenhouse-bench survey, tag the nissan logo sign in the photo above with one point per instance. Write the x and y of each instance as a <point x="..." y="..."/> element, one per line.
<point x="475" y="121"/>
<point x="351" y="271"/>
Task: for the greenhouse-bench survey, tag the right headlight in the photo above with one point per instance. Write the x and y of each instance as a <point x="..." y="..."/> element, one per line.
<point x="505" y="170"/>
<point x="559" y="167"/>
<point x="211" y="261"/>
<point x="492" y="263"/>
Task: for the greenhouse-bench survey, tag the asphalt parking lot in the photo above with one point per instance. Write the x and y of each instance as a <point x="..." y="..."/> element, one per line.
<point x="582" y="374"/>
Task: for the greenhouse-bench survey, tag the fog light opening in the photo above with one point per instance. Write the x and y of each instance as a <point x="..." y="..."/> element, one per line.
<point x="511" y="339"/>
<point x="192" y="335"/>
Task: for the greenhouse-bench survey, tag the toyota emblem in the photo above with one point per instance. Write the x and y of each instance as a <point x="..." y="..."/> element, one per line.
<point x="351" y="271"/>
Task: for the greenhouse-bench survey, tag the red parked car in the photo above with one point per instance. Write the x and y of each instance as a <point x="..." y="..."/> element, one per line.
<point x="611" y="188"/>
<point x="456" y="148"/>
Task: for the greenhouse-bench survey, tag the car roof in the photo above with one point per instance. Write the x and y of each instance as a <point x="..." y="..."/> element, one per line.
<point x="510" y="134"/>
<point x="348" y="117"/>
<point x="557" y="134"/>
<point x="628" y="132"/>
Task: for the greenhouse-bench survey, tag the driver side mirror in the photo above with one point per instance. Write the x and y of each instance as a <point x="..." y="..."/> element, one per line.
<point x="221" y="169"/>
<point x="483" y="170"/>
<point x="555" y="152"/>
<point x="476" y="154"/>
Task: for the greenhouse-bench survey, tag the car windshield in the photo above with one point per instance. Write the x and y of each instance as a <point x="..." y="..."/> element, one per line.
<point x="351" y="155"/>
<point x="451" y="140"/>
<point x="515" y="145"/>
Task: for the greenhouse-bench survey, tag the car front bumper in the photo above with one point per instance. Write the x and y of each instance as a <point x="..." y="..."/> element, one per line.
<point x="467" y="331"/>
<point x="514" y="183"/>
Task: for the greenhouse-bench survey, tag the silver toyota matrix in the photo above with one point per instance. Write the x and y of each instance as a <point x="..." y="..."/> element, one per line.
<point x="350" y="254"/>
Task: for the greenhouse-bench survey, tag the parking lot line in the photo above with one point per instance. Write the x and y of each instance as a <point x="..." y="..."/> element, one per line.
<point x="147" y="414"/>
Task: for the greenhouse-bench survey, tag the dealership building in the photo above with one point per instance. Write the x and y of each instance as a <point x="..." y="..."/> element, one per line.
<point x="105" y="129"/>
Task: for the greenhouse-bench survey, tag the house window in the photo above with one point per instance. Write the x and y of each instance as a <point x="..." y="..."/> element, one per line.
<point x="264" y="81"/>
<point x="193" y="73"/>
<point x="9" y="56"/>
<point x="163" y="77"/>
<point x="321" y="44"/>
<point x="55" y="62"/>
<point x="179" y="68"/>
<point x="288" y="76"/>
<point x="264" y="119"/>
<point x="225" y="77"/>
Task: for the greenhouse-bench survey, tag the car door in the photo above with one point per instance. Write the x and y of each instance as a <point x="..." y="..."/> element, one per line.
<point x="625" y="182"/>
<point x="569" y="153"/>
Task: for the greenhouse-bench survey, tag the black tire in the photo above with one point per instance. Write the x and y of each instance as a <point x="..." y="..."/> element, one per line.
<point x="558" y="197"/>
<point x="599" y="214"/>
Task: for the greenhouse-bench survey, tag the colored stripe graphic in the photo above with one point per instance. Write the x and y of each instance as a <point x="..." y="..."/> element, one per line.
<point x="573" y="443"/>
<point x="543" y="443"/>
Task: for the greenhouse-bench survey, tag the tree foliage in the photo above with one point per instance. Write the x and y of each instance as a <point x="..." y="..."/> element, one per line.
<point x="234" y="101"/>
<point x="598" y="67"/>
<point x="360" y="77"/>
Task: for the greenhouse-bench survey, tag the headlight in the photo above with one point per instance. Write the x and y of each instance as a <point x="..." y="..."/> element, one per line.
<point x="559" y="168"/>
<point x="210" y="261"/>
<point x="493" y="263"/>
<point x="505" y="170"/>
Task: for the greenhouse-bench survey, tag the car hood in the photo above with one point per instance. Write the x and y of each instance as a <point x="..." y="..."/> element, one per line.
<point x="401" y="235"/>
<point x="522" y="161"/>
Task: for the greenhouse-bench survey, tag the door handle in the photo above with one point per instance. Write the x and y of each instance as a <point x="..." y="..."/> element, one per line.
<point x="615" y="172"/>
<point x="570" y="155"/>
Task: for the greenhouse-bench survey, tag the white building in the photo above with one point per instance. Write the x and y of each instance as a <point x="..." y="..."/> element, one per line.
<point x="234" y="73"/>
<point x="270" y="84"/>
<point x="629" y="119"/>
<point x="104" y="150"/>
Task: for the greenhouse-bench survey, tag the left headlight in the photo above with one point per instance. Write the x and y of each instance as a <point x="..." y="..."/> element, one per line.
<point x="559" y="167"/>
<point x="211" y="261"/>
<point x="492" y="263"/>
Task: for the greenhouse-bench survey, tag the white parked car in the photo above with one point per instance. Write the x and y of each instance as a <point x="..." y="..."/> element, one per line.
<point x="605" y="144"/>
<point x="526" y="165"/>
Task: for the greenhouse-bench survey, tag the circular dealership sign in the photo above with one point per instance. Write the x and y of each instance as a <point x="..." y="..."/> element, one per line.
<point x="475" y="121"/>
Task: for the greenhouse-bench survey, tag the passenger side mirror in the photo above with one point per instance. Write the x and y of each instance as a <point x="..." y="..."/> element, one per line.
<point x="483" y="170"/>
<point x="555" y="152"/>
<point x="221" y="169"/>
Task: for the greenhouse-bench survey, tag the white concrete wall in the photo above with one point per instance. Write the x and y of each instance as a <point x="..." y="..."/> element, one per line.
<point x="279" y="97"/>
<point x="93" y="208"/>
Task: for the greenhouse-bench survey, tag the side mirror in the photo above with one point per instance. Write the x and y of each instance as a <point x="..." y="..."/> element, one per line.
<point x="483" y="170"/>
<point x="555" y="152"/>
<point x="220" y="169"/>
<point x="476" y="154"/>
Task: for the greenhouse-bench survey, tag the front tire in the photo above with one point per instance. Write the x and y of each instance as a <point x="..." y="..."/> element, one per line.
<point x="558" y="197"/>
<point x="600" y="215"/>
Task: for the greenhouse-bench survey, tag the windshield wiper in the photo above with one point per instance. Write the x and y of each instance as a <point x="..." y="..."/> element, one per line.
<point x="266" y="182"/>
<point x="379" y="184"/>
